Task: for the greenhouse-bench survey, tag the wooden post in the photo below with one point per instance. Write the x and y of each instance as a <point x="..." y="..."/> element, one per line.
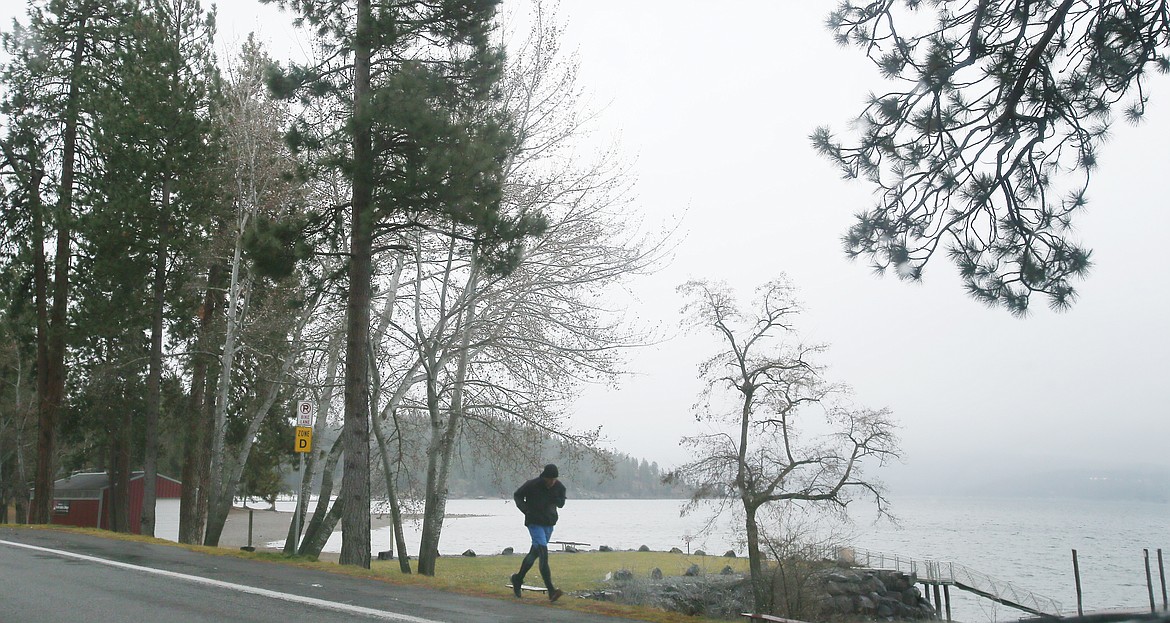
<point x="248" y="547"/>
<point x="937" y="603"/>
<point x="947" y="596"/>
<point x="1077" y="579"/>
<point x="1149" y="582"/>
<point x="1162" y="576"/>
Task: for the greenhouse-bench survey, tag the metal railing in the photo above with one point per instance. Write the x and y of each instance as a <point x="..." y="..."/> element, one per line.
<point x="943" y="572"/>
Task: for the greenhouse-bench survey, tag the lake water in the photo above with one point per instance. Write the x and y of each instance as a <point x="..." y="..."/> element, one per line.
<point x="1025" y="542"/>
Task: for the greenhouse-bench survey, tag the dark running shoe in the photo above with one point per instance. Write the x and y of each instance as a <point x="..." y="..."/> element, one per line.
<point x="555" y="594"/>
<point x="516" y="583"/>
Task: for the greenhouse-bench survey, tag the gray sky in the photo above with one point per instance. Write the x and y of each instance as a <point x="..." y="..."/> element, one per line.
<point x="713" y="109"/>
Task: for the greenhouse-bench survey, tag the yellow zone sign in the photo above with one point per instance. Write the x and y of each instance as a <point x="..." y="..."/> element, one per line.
<point x="304" y="442"/>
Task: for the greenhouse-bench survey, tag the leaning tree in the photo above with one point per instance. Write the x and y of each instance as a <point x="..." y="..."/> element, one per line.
<point x="985" y="144"/>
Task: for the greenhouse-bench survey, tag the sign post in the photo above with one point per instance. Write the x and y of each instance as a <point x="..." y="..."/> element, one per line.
<point x="303" y="443"/>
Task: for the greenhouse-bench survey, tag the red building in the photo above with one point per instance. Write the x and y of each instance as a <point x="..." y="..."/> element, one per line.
<point x="84" y="499"/>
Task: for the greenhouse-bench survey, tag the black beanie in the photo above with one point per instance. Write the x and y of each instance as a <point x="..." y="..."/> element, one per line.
<point x="550" y="471"/>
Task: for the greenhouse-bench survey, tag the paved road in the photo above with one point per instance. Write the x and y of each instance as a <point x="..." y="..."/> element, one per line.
<point x="48" y="576"/>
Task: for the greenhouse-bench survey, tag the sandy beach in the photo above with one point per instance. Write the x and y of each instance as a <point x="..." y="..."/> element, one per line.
<point x="269" y="525"/>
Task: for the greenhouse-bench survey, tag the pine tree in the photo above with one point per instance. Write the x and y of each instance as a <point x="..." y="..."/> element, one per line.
<point x="56" y="66"/>
<point x="405" y="152"/>
<point x="995" y="105"/>
<point x="150" y="135"/>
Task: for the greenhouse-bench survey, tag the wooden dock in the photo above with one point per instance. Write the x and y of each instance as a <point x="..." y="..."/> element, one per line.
<point x="940" y="576"/>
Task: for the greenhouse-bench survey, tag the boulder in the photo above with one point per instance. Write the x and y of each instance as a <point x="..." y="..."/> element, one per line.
<point x="643" y="549"/>
<point x="692" y="571"/>
<point x="621" y="575"/>
<point x="469" y="553"/>
<point x="844" y="577"/>
<point x="605" y="548"/>
<point x="508" y="551"/>
<point x="656" y="574"/>
<point x="872" y="584"/>
<point x="729" y="553"/>
<point x="675" y="550"/>
<point x="843" y="604"/>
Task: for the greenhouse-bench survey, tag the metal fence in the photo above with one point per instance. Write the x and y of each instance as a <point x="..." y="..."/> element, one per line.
<point x="940" y="572"/>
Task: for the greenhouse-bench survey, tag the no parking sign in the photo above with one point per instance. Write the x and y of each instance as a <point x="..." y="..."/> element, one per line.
<point x="305" y="412"/>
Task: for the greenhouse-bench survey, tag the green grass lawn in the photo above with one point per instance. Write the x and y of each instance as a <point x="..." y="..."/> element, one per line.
<point x="486" y="576"/>
<point x="572" y="572"/>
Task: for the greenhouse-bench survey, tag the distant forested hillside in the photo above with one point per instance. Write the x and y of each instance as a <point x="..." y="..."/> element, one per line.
<point x="585" y="476"/>
<point x="476" y="472"/>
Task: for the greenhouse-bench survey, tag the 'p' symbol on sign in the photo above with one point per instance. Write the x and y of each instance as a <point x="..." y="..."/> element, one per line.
<point x="305" y="411"/>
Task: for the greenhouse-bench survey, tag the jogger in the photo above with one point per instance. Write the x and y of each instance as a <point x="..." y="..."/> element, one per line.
<point x="539" y="500"/>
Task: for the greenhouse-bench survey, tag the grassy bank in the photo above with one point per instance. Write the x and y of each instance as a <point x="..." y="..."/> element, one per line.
<point x="573" y="572"/>
<point x="486" y="576"/>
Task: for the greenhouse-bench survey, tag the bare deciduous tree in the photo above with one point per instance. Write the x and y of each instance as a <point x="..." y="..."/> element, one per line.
<point x="257" y="163"/>
<point x="502" y="355"/>
<point x="760" y="390"/>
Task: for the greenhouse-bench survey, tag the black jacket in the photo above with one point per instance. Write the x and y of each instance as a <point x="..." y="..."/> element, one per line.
<point x="539" y="503"/>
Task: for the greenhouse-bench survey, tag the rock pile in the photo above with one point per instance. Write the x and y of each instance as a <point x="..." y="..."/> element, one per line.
<point x="832" y="592"/>
<point x="867" y="592"/>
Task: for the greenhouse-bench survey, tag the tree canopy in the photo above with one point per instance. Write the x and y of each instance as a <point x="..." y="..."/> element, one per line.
<point x="985" y="145"/>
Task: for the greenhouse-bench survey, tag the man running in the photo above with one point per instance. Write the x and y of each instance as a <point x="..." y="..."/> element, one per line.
<point x="539" y="500"/>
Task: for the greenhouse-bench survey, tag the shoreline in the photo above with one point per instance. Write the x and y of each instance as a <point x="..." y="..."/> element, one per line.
<point x="269" y="525"/>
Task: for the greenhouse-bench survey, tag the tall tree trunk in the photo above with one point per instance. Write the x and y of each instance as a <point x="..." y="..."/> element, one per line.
<point x="323" y="402"/>
<point x="119" y="425"/>
<point x="324" y="519"/>
<point x="432" y="500"/>
<point x="154" y="378"/>
<point x="189" y="525"/>
<point x="443" y="437"/>
<point x="52" y="390"/>
<point x="755" y="562"/>
<point x="315" y="541"/>
<point x="207" y="430"/>
<point x="391" y="405"/>
<point x="192" y="505"/>
<point x="392" y="499"/>
<point x="188" y="498"/>
<point x="355" y="479"/>
<point x="221" y="504"/>
<point x="399" y="536"/>
<point x="119" y="471"/>
<point x="40" y="287"/>
<point x="237" y="308"/>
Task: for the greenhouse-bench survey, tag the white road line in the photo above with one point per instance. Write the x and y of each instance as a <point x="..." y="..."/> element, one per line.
<point x="321" y="603"/>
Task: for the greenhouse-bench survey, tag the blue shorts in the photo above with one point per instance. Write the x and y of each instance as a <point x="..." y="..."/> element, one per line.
<point x="540" y="534"/>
